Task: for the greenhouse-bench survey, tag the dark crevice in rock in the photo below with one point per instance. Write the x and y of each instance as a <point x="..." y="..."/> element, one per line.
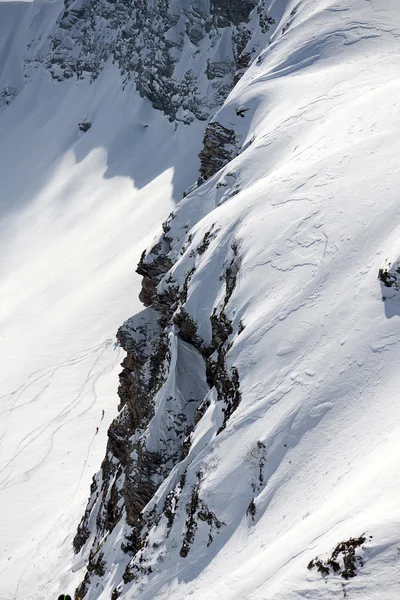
<point x="225" y="379"/>
<point x="251" y="509"/>
<point x="219" y="148"/>
<point x="197" y="510"/>
<point x="96" y="566"/>
<point x="171" y="502"/>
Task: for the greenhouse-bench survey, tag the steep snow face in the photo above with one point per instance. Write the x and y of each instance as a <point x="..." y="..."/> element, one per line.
<point x="269" y="271"/>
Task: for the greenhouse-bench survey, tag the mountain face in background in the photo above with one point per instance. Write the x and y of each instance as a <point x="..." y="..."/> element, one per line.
<point x="244" y="156"/>
<point x="183" y="56"/>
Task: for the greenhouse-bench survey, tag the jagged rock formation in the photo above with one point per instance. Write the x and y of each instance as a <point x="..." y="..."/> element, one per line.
<point x="173" y="366"/>
<point x="344" y="561"/>
<point x="146" y="41"/>
<point x="258" y="420"/>
<point x="219" y="147"/>
<point x="390" y="280"/>
<point x="168" y="363"/>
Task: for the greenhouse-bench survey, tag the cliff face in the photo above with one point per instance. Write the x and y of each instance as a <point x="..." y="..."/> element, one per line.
<point x="168" y="375"/>
<point x="147" y="500"/>
<point x="183" y="55"/>
<point x="171" y="367"/>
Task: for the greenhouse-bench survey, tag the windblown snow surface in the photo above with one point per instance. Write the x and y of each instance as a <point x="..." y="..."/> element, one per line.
<point x="312" y="203"/>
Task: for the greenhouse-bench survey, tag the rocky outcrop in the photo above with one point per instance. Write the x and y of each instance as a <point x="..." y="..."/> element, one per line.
<point x="170" y="372"/>
<point x="160" y="407"/>
<point x="7" y="95"/>
<point x="219" y="147"/>
<point x="150" y="43"/>
<point x="389" y="276"/>
<point x="234" y="12"/>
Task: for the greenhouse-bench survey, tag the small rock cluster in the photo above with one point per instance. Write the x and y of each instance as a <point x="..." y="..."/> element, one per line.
<point x="219" y="148"/>
<point x="344" y="559"/>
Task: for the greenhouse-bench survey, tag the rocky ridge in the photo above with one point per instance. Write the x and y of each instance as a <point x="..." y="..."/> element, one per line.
<point x="144" y="489"/>
<point x="183" y="56"/>
<point x="159" y="409"/>
<point x="173" y="370"/>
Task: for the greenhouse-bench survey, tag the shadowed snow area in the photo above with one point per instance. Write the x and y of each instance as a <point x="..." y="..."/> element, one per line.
<point x="76" y="211"/>
<point x="312" y="202"/>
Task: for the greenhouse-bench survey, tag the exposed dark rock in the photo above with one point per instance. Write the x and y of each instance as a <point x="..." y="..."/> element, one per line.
<point x="171" y="502"/>
<point x="131" y="473"/>
<point x="241" y="111"/>
<point x="84" y="126"/>
<point x="187" y="442"/>
<point x="96" y="566"/>
<point x="157" y="267"/>
<point x="187" y="328"/>
<point x="221" y="328"/>
<point x="7" y="95"/>
<point x="229" y="12"/>
<point x="219" y="147"/>
<point x="191" y="524"/>
<point x="144" y="39"/>
<point x="166" y="301"/>
<point x="200" y="410"/>
<point x="205" y="243"/>
<point x="390" y="278"/>
<point x="228" y="390"/>
<point x="83" y="531"/>
<point x="142" y="478"/>
<point x="197" y="510"/>
<point x="143" y="374"/>
<point x="264" y="19"/>
<point x="251" y="509"/>
<point x="290" y="21"/>
<point x="153" y="266"/>
<point x="219" y="69"/>
<point x="148" y="290"/>
<point x="343" y="559"/>
<point x="225" y="379"/>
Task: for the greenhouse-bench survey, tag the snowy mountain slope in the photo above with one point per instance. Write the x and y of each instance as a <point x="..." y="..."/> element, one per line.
<point x="269" y="270"/>
<point x="258" y="420"/>
<point x="76" y="211"/>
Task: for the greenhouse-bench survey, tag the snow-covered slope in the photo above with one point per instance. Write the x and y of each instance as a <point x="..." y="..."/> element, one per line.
<point x="76" y="211"/>
<point x="259" y="423"/>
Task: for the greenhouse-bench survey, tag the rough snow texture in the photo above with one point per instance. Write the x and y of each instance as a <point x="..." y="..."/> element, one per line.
<point x="268" y="271"/>
<point x="255" y="450"/>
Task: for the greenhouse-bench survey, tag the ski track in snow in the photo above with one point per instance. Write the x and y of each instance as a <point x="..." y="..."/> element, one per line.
<point x="76" y="401"/>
